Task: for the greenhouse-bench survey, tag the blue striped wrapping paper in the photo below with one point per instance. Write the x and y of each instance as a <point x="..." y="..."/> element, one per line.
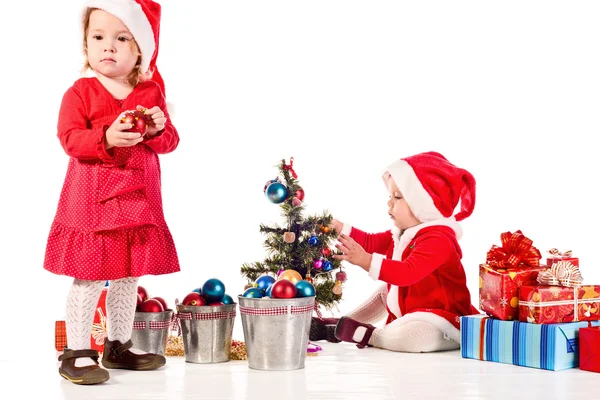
<point x="546" y="346"/>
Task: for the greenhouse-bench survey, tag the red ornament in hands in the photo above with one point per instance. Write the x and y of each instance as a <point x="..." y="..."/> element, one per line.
<point x="151" y="305"/>
<point x="283" y="289"/>
<point x="138" y="120"/>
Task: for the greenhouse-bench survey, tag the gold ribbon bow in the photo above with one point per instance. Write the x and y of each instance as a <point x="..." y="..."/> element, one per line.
<point x="561" y="273"/>
<point x="517" y="250"/>
<point x="565" y="254"/>
<point x="99" y="332"/>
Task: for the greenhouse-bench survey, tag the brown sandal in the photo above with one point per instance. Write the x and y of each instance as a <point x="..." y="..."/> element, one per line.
<point x="323" y="329"/>
<point x="118" y="355"/>
<point x="346" y="327"/>
<point x="88" y="375"/>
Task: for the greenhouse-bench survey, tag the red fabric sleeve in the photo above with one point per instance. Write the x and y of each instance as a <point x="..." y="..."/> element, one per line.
<point x="76" y="138"/>
<point x="430" y="252"/>
<point x="167" y="139"/>
<point x="372" y="242"/>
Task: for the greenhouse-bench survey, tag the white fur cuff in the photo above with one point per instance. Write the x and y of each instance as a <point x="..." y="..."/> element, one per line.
<point x="375" y="268"/>
<point x="346" y="229"/>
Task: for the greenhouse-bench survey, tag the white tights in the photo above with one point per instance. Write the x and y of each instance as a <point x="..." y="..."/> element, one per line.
<point x="82" y="301"/>
<point x="373" y="310"/>
<point x="409" y="337"/>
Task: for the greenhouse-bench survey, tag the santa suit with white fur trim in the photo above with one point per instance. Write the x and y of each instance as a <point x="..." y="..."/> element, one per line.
<point x="422" y="266"/>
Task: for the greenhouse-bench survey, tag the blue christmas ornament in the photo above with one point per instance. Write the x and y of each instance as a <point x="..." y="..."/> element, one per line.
<point x="313" y="240"/>
<point x="276" y="192"/>
<point x="327" y="266"/>
<point x="213" y="290"/>
<point x="227" y="299"/>
<point x="197" y="290"/>
<point x="254" y="293"/>
<point x="268" y="291"/>
<point x="268" y="183"/>
<point x="264" y="282"/>
<point x="305" y="289"/>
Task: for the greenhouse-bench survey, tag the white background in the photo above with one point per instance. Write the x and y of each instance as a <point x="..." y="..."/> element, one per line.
<point x="508" y="90"/>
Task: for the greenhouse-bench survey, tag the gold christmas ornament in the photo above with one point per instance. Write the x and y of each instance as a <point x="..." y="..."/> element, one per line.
<point x="289" y="237"/>
<point x="308" y="278"/>
<point x="290" y="275"/>
<point x="337" y="288"/>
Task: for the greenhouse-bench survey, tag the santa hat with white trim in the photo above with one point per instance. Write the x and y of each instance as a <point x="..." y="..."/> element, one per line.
<point x="432" y="186"/>
<point x="142" y="18"/>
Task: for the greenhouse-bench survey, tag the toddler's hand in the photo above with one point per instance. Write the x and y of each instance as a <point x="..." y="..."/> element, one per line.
<point x="116" y="137"/>
<point x="337" y="225"/>
<point x="353" y="252"/>
<point x="156" y="119"/>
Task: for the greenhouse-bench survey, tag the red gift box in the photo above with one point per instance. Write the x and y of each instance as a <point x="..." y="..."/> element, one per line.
<point x="556" y="255"/>
<point x="555" y="304"/>
<point x="60" y="335"/>
<point x="589" y="349"/>
<point x="499" y="288"/>
<point x="99" y="332"/>
<point x="507" y="268"/>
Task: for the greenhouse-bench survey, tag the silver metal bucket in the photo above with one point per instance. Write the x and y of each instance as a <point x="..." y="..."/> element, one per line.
<point x="151" y="331"/>
<point x="276" y="331"/>
<point x="206" y="332"/>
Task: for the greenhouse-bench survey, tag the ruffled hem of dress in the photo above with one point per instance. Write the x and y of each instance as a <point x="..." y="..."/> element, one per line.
<point x="146" y="250"/>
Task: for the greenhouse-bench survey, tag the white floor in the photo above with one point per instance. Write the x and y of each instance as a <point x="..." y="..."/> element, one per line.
<point x="339" y="371"/>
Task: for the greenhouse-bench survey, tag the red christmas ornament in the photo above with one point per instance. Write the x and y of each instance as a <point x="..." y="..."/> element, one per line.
<point x="296" y="202"/>
<point x="138" y="121"/>
<point x="283" y="289"/>
<point x="143" y="292"/>
<point x="326" y="251"/>
<point x="341" y="276"/>
<point x="139" y="302"/>
<point x="193" y="299"/>
<point x="151" y="305"/>
<point x="163" y="302"/>
<point x="300" y="194"/>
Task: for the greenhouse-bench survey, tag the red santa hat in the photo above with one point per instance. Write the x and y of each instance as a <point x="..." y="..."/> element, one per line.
<point x="142" y="18"/>
<point x="432" y="186"/>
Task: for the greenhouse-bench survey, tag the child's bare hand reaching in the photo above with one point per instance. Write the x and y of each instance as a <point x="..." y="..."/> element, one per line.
<point x="156" y="119"/>
<point x="117" y="137"/>
<point x="336" y="225"/>
<point x="353" y="252"/>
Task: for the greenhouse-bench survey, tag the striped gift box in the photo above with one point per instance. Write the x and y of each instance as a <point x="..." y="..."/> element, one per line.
<point x="546" y="346"/>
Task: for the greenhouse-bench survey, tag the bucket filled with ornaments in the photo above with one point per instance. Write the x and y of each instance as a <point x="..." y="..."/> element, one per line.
<point x="276" y="316"/>
<point x="152" y="323"/>
<point x="206" y="317"/>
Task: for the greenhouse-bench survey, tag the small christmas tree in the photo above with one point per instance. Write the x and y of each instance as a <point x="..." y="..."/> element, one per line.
<point x="301" y="244"/>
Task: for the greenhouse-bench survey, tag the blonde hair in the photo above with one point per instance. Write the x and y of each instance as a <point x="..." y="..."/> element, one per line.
<point x="136" y="75"/>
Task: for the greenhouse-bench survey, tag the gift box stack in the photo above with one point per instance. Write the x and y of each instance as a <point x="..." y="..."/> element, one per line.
<point x="538" y="315"/>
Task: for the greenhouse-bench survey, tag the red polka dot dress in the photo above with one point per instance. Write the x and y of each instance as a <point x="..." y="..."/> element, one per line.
<point x="109" y="222"/>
